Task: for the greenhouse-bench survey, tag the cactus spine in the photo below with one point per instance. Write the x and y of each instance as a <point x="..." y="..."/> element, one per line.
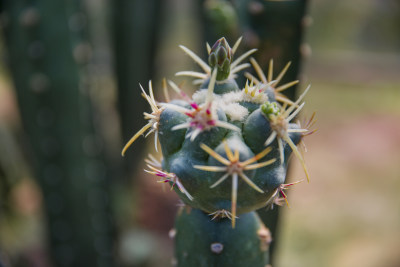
<point x="49" y="51"/>
<point x="276" y="29"/>
<point x="225" y="152"/>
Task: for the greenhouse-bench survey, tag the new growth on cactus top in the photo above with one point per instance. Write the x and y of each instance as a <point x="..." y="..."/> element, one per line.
<point x="225" y="131"/>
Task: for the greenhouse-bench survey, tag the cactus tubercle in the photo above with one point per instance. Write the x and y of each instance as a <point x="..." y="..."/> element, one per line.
<point x="235" y="168"/>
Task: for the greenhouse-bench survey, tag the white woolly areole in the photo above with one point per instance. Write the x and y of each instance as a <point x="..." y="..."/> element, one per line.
<point x="235" y="111"/>
<point x="200" y="96"/>
<point x="227" y="102"/>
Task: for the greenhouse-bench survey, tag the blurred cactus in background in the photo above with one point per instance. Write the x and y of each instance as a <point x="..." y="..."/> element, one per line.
<point x="275" y="28"/>
<point x="225" y="152"/>
<point x="219" y="18"/>
<point x="49" y="51"/>
<point x="136" y="27"/>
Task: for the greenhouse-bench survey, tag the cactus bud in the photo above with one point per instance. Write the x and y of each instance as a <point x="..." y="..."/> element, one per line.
<point x="269" y="109"/>
<point x="221" y="57"/>
<point x="212" y="60"/>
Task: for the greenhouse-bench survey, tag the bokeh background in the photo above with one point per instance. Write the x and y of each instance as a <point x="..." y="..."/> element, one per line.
<point x="348" y="215"/>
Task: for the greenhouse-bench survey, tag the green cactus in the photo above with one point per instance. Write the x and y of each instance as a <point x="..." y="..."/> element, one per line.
<point x="225" y="150"/>
<point x="219" y="18"/>
<point x="49" y="52"/>
<point x="218" y="244"/>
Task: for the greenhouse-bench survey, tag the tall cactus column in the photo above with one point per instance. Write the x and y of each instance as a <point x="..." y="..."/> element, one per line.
<point x="225" y="152"/>
<point x="216" y="243"/>
<point x="48" y="53"/>
<point x="276" y="28"/>
<point x="136" y="26"/>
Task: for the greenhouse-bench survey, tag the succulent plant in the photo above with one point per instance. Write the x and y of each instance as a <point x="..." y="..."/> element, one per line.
<point x="49" y="51"/>
<point x="226" y="149"/>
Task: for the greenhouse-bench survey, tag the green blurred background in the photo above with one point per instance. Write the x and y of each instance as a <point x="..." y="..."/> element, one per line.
<point x="348" y="215"/>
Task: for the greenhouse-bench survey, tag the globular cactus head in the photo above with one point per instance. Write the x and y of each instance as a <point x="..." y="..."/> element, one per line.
<point x="226" y="152"/>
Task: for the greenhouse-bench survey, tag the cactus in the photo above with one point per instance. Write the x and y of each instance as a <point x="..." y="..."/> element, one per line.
<point x="218" y="18"/>
<point x="225" y="150"/>
<point x="49" y="51"/>
<point x="217" y="244"/>
<point x="276" y="29"/>
<point x="135" y="33"/>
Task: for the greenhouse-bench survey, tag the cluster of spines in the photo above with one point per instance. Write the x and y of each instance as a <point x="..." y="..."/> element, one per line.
<point x="202" y="117"/>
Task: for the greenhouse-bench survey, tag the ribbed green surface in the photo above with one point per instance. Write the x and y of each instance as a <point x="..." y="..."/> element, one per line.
<point x="48" y="51"/>
<point x="202" y="242"/>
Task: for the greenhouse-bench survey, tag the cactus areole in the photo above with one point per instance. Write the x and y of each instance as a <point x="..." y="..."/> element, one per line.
<point x="225" y="149"/>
